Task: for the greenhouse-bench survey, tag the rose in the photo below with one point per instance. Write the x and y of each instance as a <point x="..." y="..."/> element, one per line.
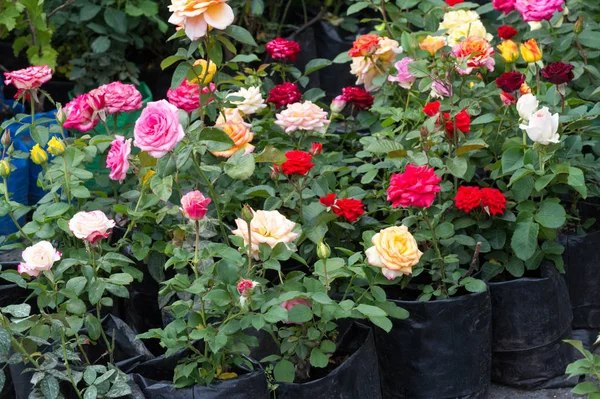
<point x="432" y="108"/>
<point x="493" y="201"/>
<point x="315" y="149"/>
<point x="349" y="208"/>
<point x="284" y="94"/>
<point x="91" y="226"/>
<point x="38" y="155"/>
<point x="441" y="89"/>
<point x="524" y="89"/>
<point x="432" y="44"/>
<point x="194" y="205"/>
<point x="537" y="10"/>
<point x="507" y="98"/>
<point x="530" y="51"/>
<point x="476" y="51"/>
<point x="121" y="97"/>
<point x="505" y="6"/>
<point x="404" y="78"/>
<point x="415" y="187"/>
<point x="454" y="2"/>
<point x="56" y="146"/>
<point x="395" y="251"/>
<point x="509" y="51"/>
<point x="288" y="305"/>
<point x="201" y="72"/>
<point x="328" y="200"/>
<point x="187" y="95"/>
<point x="282" y="49"/>
<point x="38" y="258"/>
<point x="252" y="100"/>
<point x="298" y="163"/>
<point x="79" y="114"/>
<point x="197" y="16"/>
<point x="506" y="32"/>
<point x="542" y="127"/>
<point x="368" y="68"/>
<point x="239" y="133"/>
<point x="268" y="227"/>
<point x="527" y="105"/>
<point x="462" y="121"/>
<point x="457" y="18"/>
<point x="467" y="198"/>
<point x="510" y="81"/>
<point x="29" y="78"/>
<point x="364" y="45"/>
<point x="558" y="73"/>
<point x="303" y="116"/>
<point x="118" y="158"/>
<point x="245" y="287"/>
<point x="360" y="98"/>
<point x="337" y="104"/>
<point x="473" y="29"/>
<point x="157" y="131"/>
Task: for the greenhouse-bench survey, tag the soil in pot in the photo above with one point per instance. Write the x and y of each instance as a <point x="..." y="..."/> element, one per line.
<point x="353" y="374"/>
<point x="442" y="351"/>
<point x="531" y="317"/>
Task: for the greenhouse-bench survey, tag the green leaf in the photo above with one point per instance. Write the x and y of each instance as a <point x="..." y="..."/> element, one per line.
<point x="475" y="285"/>
<point x="4" y="342"/>
<point x="457" y="166"/>
<point x="57" y="209"/>
<point x="93" y="326"/>
<point x="284" y="371"/>
<point x="245" y="58"/>
<point x="218" y="297"/>
<point x="577" y="181"/>
<point x="257" y="7"/>
<point x="76" y="306"/>
<point x="240" y="166"/>
<point x="215" y="139"/>
<point x="89" y="375"/>
<point x="313" y="94"/>
<point x="21" y="310"/>
<point x="371" y="311"/>
<point x="471" y="145"/>
<point x="179" y="75"/>
<point x="95" y="291"/>
<point x="100" y="45"/>
<point x="162" y="187"/>
<point x="315" y="65"/>
<point x="49" y="387"/>
<point x="585" y="388"/>
<point x="91" y="392"/>
<point x="116" y="19"/>
<point x="88" y="11"/>
<point x="318" y="358"/>
<point x="551" y="215"/>
<point x="383" y="146"/>
<point x="444" y="230"/>
<point x="120" y="278"/>
<point x="512" y="159"/>
<point x="170" y="60"/>
<point x="327" y="346"/>
<point x="382" y="322"/>
<point x="524" y="239"/>
<point x="240" y="34"/>
<point x="483" y="119"/>
<point x="300" y="314"/>
<point x="515" y="267"/>
<point x="271" y="155"/>
<point x="418" y="69"/>
<point x="356" y="7"/>
<point x="2" y="380"/>
<point x="543" y="181"/>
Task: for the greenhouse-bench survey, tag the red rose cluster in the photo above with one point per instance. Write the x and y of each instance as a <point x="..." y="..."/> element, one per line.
<point x="298" y="163"/>
<point x="282" y="49"/>
<point x="284" y="94"/>
<point x="490" y="199"/>
<point x="417" y="186"/>
<point x="357" y="96"/>
<point x="462" y="120"/>
<point x="349" y="208"/>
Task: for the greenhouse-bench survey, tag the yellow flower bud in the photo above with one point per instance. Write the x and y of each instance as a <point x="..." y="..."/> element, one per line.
<point x="509" y="51"/>
<point x="38" y="155"/>
<point x="323" y="250"/>
<point x="530" y="51"/>
<point x="56" y="146"/>
<point x="147" y="177"/>
<point x="4" y="168"/>
<point x="200" y="69"/>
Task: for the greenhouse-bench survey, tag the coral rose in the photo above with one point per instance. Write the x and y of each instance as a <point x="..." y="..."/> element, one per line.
<point x="558" y="72"/>
<point x="194" y="205"/>
<point x="38" y="258"/>
<point x="403" y="77"/>
<point x="467" y="198"/>
<point x="79" y="114"/>
<point x="268" y="227"/>
<point x="157" y="131"/>
<point x="118" y="158"/>
<point x="415" y="187"/>
<point x="119" y="97"/>
<point x="252" y="101"/>
<point x="91" y="226"/>
<point x="506" y="32"/>
<point x="303" y="116"/>
<point x="364" y="45"/>
<point x="537" y="10"/>
<point x="298" y="163"/>
<point x="349" y="208"/>
<point x="187" y="95"/>
<point x="507" y="98"/>
<point x="284" y="94"/>
<point x="29" y="78"/>
<point x="241" y="136"/>
<point x="510" y="81"/>
<point x="432" y="44"/>
<point x="360" y="98"/>
<point x="197" y="16"/>
<point x="493" y="201"/>
<point x="395" y="251"/>
<point x="282" y="49"/>
<point x="477" y="53"/>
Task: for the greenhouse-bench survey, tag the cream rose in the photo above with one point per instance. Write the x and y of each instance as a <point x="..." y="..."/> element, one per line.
<point x="252" y="100"/>
<point x="395" y="250"/>
<point x="38" y="258"/>
<point x="542" y="127"/>
<point x="475" y="28"/>
<point x="91" y="226"/>
<point x="269" y="227"/>
<point x="454" y="19"/>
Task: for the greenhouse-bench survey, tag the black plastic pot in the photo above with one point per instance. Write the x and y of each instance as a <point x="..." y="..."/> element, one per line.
<point x="531" y="318"/>
<point x="441" y="351"/>
<point x="356" y="378"/>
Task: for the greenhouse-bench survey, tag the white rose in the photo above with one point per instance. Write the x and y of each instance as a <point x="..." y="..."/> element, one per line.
<point x="543" y="127"/>
<point x="252" y="100"/>
<point x="38" y="258"/>
<point x="527" y="105"/>
<point x="91" y="226"/>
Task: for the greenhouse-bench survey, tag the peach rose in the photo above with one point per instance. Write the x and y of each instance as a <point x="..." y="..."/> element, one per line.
<point x="38" y="258"/>
<point x="395" y="250"/>
<point x="241" y="136"/>
<point x="91" y="226"/>
<point x="198" y="15"/>
<point x="305" y="116"/>
<point x="269" y="227"/>
<point x="432" y="44"/>
<point x="157" y="131"/>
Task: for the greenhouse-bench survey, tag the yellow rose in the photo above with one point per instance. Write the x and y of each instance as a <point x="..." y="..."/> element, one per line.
<point x="530" y="51"/>
<point x="200" y="68"/>
<point x="395" y="250"/>
<point x="474" y="28"/>
<point x="269" y="227"/>
<point x="509" y="51"/>
<point x="432" y="44"/>
<point x="4" y="168"/>
<point x="56" y="146"/>
<point x="38" y="155"/>
<point x="454" y="19"/>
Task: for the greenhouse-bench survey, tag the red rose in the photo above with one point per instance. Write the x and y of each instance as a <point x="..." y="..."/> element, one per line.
<point x="316" y="149"/>
<point x="462" y="121"/>
<point x="298" y="163"/>
<point x="282" y="49"/>
<point x="432" y="109"/>
<point x="493" y="201"/>
<point x="506" y="32"/>
<point x="467" y="198"/>
<point x="357" y="96"/>
<point x="454" y="2"/>
<point x="327" y="200"/>
<point x="349" y="208"/>
<point x="507" y="98"/>
<point x="558" y="72"/>
<point x="510" y="81"/>
<point x="284" y="94"/>
<point x="415" y="187"/>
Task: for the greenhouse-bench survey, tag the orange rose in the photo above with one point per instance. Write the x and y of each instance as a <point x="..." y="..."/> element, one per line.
<point x="364" y="45"/>
<point x="524" y="89"/>
<point x="241" y="136"/>
<point x="476" y="51"/>
<point x="432" y="44"/>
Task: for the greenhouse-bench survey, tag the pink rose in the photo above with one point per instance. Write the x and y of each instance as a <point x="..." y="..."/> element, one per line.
<point x="194" y="205"/>
<point x="187" y="96"/>
<point x="79" y="114"/>
<point x="91" y="226"/>
<point x="121" y="97"/>
<point x="404" y="78"/>
<point x="415" y="187"/>
<point x="287" y="305"/>
<point x="29" y="78"/>
<point x="158" y="130"/>
<point x="505" y="6"/>
<point x="537" y="10"/>
<point x="118" y="158"/>
<point x="38" y="258"/>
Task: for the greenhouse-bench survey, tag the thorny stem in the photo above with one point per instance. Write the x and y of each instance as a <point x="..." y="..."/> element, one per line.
<point x="98" y="306"/>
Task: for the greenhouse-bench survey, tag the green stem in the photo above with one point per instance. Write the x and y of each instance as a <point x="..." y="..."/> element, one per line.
<point x="249" y="247"/>
<point x="98" y="306"/>
<point x="437" y="250"/>
<point x="325" y="275"/>
<point x="348" y="287"/>
<point x="131" y="222"/>
<point x="69" y="374"/>
<point x="11" y="214"/>
<point x="195" y="265"/>
<point x="67" y="181"/>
